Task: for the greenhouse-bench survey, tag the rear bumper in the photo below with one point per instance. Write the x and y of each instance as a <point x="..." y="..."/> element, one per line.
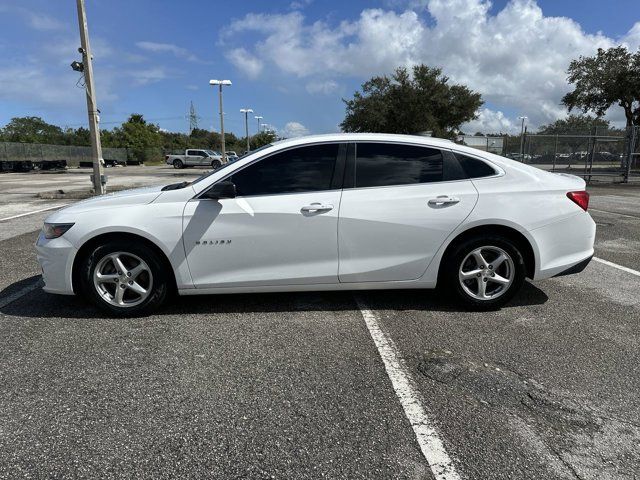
<point x="577" y="268"/>
<point x="564" y="246"/>
<point x="55" y="257"/>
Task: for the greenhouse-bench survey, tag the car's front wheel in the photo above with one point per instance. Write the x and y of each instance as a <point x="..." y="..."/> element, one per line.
<point x="124" y="279"/>
<point x="216" y="164"/>
<point x="484" y="273"/>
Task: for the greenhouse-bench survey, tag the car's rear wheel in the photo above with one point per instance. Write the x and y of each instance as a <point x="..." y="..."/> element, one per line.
<point x="124" y="279"/>
<point x="216" y="164"/>
<point x="484" y="273"/>
<point x="177" y="163"/>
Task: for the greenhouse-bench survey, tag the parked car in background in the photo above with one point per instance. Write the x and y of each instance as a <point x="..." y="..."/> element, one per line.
<point x="327" y="212"/>
<point x="194" y="157"/>
<point x="232" y="156"/>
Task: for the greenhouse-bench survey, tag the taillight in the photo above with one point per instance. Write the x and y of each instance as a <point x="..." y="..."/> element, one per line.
<point x="580" y="198"/>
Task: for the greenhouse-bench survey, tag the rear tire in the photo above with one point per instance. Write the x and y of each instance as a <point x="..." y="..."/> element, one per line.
<point x="483" y="273"/>
<point x="177" y="164"/>
<point x="124" y="279"/>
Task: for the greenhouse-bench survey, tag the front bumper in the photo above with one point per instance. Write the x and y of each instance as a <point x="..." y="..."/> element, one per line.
<point x="55" y="257"/>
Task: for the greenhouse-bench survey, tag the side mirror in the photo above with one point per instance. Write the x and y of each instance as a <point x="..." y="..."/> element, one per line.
<point x="225" y="189"/>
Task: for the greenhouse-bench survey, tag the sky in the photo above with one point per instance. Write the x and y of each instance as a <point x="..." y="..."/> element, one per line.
<point x="294" y="61"/>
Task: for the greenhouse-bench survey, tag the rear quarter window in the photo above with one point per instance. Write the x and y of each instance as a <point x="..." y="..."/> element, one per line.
<point x="475" y="168"/>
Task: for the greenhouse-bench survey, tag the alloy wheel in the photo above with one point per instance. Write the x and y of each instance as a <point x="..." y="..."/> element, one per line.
<point x="486" y="273"/>
<point x="123" y="279"/>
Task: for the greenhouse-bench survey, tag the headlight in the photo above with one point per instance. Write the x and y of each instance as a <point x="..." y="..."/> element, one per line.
<point x="55" y="230"/>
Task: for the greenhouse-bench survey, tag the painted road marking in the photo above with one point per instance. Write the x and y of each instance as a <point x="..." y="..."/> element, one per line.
<point x="615" y="213"/>
<point x="21" y="293"/>
<point x="619" y="267"/>
<point x="432" y="448"/>
<point x="31" y="213"/>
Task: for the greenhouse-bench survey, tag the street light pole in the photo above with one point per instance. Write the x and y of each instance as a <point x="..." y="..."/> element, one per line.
<point x="246" y="112"/>
<point x="258" y="118"/>
<point x="220" y="84"/>
<point x="92" y="109"/>
<point x="522" y="139"/>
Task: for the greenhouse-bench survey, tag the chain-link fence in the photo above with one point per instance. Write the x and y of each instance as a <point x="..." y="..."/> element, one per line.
<point x="26" y="156"/>
<point x="610" y="157"/>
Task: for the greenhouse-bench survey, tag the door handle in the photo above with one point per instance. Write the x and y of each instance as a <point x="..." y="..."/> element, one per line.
<point x="443" y="200"/>
<point x="316" y="207"/>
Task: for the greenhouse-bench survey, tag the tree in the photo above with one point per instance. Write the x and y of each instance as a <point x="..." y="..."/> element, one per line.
<point x="141" y="138"/>
<point x="577" y="126"/>
<point x="261" y="139"/>
<point x="404" y="103"/>
<point x="32" y="130"/>
<point x="611" y="77"/>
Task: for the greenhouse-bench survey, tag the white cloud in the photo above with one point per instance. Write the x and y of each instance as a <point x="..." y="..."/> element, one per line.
<point x="179" y="52"/>
<point x="490" y="121"/>
<point x="324" y="87"/>
<point x="294" y="129"/>
<point x="35" y="20"/>
<point x="147" y="76"/>
<point x="516" y="58"/>
<point x="245" y="62"/>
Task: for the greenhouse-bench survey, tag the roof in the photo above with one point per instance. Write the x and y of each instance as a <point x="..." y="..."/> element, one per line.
<point x="353" y="137"/>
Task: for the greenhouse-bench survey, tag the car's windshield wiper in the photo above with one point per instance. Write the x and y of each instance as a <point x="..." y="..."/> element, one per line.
<point x="175" y="186"/>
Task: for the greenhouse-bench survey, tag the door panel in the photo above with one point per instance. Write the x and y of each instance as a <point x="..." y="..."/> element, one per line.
<point x="392" y="233"/>
<point x="263" y="240"/>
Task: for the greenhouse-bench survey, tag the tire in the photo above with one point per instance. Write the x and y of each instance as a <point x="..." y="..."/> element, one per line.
<point x="464" y="262"/>
<point x="177" y="163"/>
<point x="140" y="269"/>
<point x="216" y="164"/>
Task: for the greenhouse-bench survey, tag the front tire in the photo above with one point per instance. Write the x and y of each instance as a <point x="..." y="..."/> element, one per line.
<point x="177" y="164"/>
<point x="484" y="273"/>
<point x="124" y="279"/>
<point x="216" y="164"/>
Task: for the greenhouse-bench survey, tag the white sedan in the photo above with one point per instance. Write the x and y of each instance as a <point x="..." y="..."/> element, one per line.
<point x="330" y="212"/>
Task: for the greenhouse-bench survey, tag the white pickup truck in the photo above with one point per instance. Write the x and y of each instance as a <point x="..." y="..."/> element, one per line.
<point x="195" y="157"/>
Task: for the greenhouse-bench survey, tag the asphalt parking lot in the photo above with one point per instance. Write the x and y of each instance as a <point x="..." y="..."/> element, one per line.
<point x="304" y="385"/>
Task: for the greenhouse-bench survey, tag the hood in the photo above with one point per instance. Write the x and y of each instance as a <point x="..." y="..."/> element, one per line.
<point x="136" y="196"/>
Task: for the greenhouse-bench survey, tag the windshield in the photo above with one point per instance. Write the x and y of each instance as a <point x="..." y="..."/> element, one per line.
<point x="211" y="153"/>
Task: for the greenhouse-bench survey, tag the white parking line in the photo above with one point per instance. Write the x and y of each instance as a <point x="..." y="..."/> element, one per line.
<point x="432" y="448"/>
<point x="614" y="213"/>
<point x="619" y="267"/>
<point x="34" y="211"/>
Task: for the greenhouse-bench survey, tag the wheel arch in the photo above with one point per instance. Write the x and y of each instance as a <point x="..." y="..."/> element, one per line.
<point x="102" y="238"/>
<point x="524" y="243"/>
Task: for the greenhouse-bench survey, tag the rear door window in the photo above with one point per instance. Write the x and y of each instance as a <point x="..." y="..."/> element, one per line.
<point x="385" y="164"/>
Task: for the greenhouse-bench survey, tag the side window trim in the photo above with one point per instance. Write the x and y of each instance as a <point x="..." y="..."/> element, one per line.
<point x="259" y="159"/>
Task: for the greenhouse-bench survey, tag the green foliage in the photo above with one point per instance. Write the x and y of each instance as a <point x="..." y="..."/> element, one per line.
<point x="142" y="139"/>
<point x="32" y="130"/>
<point x="611" y="77"/>
<point x="410" y="104"/>
<point x="260" y="139"/>
<point x="576" y="125"/>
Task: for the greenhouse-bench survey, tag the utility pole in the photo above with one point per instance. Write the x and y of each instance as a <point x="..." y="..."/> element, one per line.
<point x="246" y="112"/>
<point x="258" y="118"/>
<point x="92" y="109"/>
<point x="522" y="139"/>
<point x="221" y="83"/>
